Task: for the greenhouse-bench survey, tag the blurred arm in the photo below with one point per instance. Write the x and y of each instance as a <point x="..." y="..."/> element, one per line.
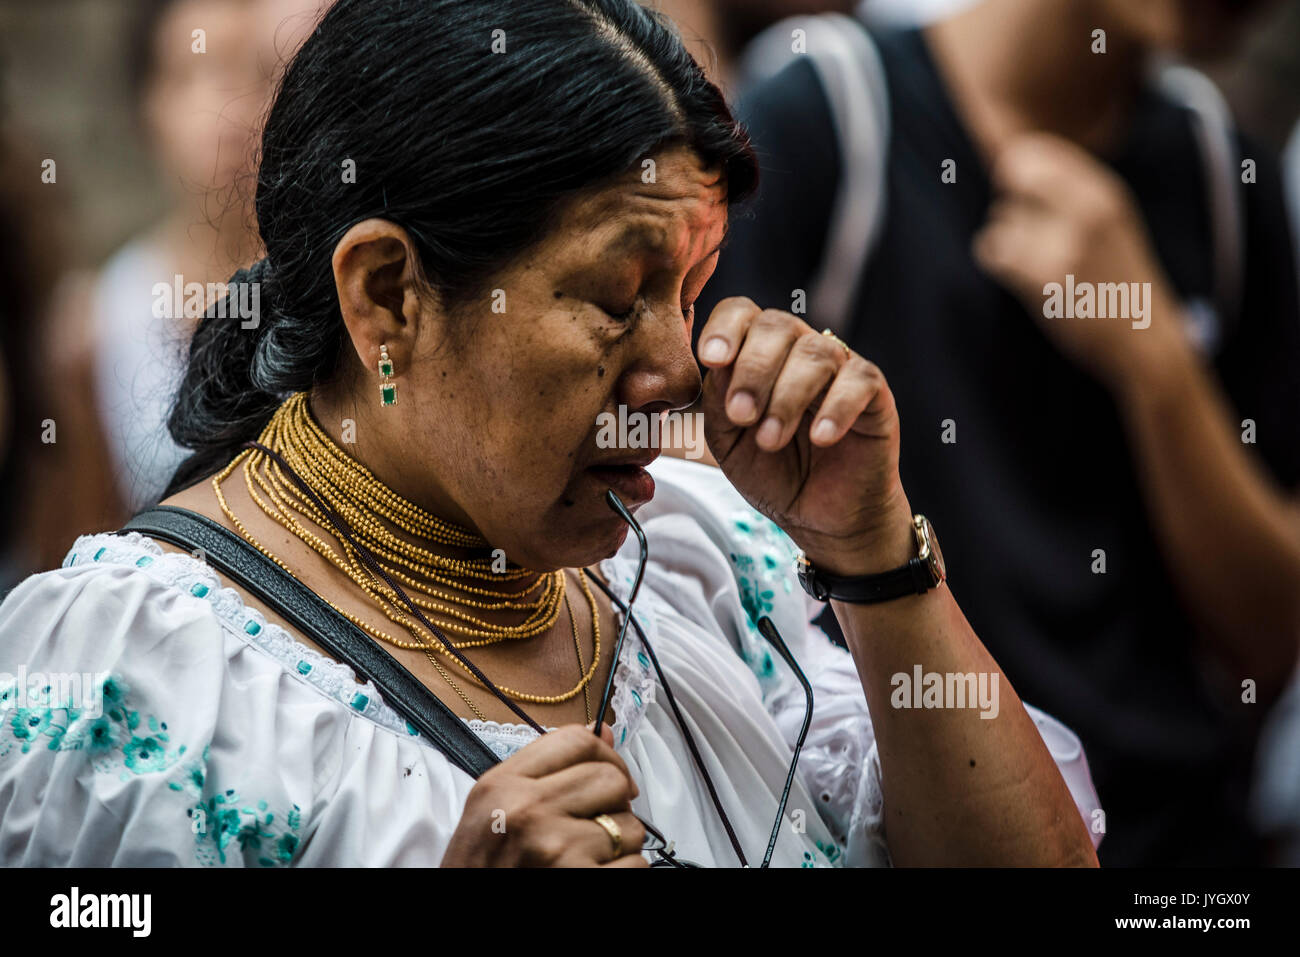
<point x="1230" y="534"/>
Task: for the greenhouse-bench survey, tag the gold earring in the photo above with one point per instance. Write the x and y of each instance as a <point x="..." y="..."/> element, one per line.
<point x="387" y="387"/>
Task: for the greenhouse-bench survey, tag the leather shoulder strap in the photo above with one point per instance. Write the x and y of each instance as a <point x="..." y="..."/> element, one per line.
<point x="314" y="617"/>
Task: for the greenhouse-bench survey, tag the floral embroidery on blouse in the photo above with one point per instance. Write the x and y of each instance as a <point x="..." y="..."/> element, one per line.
<point x="115" y="737"/>
<point x="760" y="571"/>
<point x="121" y="740"/>
<point x="224" y="818"/>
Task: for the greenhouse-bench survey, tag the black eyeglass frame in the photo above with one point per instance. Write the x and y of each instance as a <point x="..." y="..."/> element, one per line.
<point x="769" y="631"/>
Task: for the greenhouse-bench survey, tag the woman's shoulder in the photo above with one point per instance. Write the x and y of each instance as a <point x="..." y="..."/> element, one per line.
<point x="113" y="596"/>
<point x="187" y="729"/>
<point x="122" y="601"/>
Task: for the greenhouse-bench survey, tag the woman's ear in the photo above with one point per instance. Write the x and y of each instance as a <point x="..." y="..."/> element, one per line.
<point x="377" y="277"/>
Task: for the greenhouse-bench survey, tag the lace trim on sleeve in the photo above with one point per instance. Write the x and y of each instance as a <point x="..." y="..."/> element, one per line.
<point x="184" y="573"/>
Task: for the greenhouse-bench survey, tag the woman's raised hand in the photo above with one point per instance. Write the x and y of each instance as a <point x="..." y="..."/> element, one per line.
<point x="536" y="808"/>
<point x="807" y="432"/>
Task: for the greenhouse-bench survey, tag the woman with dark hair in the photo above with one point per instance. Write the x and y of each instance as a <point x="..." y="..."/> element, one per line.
<point x="486" y="225"/>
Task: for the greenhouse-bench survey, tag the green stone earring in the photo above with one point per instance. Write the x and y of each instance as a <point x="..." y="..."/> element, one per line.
<point x="387" y="387"/>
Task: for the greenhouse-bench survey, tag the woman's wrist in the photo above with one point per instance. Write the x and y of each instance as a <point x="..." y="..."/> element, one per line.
<point x="889" y="544"/>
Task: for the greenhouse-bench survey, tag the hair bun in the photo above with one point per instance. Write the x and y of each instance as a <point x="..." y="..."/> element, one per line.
<point x="260" y="271"/>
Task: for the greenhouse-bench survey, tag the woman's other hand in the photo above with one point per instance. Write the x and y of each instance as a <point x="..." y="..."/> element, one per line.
<point x="807" y="431"/>
<point x="536" y="808"/>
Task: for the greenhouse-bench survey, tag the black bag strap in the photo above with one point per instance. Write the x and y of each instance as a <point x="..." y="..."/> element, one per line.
<point x="313" y="616"/>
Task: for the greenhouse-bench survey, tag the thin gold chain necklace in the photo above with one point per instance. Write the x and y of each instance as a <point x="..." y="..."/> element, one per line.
<point x="348" y="487"/>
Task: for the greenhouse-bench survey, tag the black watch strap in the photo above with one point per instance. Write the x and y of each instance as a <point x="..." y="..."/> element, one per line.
<point x="914" y="578"/>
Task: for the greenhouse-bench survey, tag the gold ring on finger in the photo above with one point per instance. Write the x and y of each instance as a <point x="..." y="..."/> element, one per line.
<point x="613" y="830"/>
<point x="829" y="334"/>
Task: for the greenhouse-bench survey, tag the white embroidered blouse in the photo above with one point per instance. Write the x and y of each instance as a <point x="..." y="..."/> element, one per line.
<point x="223" y="741"/>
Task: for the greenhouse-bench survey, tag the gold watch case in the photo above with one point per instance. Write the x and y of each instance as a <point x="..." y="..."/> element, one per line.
<point x="927" y="548"/>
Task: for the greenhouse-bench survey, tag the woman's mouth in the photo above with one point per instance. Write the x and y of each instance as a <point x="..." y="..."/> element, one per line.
<point x="631" y="483"/>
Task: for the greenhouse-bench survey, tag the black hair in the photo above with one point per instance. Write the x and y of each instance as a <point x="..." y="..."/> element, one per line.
<point x="471" y="151"/>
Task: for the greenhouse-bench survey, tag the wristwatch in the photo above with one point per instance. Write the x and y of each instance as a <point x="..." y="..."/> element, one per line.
<point x="918" y="576"/>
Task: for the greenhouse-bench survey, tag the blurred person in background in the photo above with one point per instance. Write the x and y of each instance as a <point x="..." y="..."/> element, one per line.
<point x="199" y="98"/>
<point x="1120" y="499"/>
<point x="1275" y="794"/>
<point x="716" y="31"/>
<point x="50" y="445"/>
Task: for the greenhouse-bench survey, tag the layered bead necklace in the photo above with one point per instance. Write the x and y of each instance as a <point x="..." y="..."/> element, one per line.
<point x="441" y="585"/>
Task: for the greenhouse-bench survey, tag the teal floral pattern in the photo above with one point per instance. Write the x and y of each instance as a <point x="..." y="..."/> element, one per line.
<point x="126" y="742"/>
<point x="117" y="738"/>
<point x="829" y="851"/>
<point x="763" y="562"/>
<point x="224" y="819"/>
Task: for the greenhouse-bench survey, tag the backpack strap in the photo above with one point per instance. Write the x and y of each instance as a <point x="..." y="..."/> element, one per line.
<point x="1213" y="128"/>
<point x="852" y="75"/>
<point x="315" y="618"/>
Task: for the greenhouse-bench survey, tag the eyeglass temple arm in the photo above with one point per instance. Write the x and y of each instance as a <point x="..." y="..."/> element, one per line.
<point x="613" y="502"/>
<point x="768" y="631"/>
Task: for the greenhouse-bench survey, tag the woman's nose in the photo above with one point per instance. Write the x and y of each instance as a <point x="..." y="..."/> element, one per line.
<point x="663" y="375"/>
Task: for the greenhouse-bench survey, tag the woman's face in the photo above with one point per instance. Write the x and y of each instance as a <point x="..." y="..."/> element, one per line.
<point x="496" y="424"/>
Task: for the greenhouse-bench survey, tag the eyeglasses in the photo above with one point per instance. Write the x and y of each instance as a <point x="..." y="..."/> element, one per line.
<point x="655" y="842"/>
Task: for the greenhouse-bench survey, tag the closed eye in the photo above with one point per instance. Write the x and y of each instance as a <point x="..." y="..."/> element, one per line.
<point x="625" y="316"/>
<point x="688" y="312"/>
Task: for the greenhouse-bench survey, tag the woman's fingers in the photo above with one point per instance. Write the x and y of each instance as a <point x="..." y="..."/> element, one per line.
<point x="855" y="387"/>
<point x="562" y="748"/>
<point x="812" y="363"/>
<point x="628" y="860"/>
<point x="779" y="367"/>
<point x="585" y="790"/>
<point x="753" y="343"/>
<point x="596" y="842"/>
<point x="767" y="343"/>
<point x="725" y="330"/>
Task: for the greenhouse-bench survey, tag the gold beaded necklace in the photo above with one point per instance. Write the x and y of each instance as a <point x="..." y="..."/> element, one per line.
<point x="368" y="506"/>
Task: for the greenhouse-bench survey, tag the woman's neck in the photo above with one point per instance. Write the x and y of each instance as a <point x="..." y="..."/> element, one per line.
<point x="1016" y="66"/>
<point x="330" y="412"/>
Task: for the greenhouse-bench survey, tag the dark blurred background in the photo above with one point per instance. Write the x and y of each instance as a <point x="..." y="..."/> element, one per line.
<point x="66" y="79"/>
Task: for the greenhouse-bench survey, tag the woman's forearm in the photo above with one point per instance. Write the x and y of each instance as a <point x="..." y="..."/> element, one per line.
<point x="970" y="782"/>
